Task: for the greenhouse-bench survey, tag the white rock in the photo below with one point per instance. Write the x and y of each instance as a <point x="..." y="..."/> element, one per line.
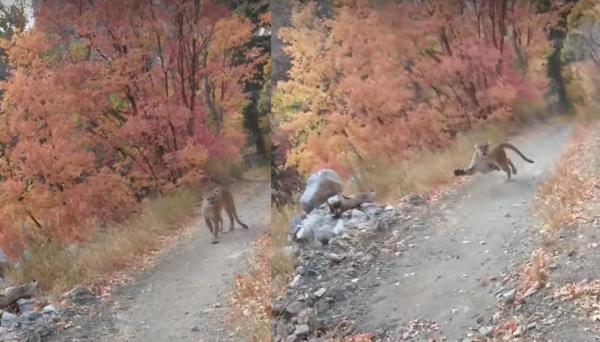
<point x="319" y="187"/>
<point x="320" y="292"/>
<point x="339" y="227"/>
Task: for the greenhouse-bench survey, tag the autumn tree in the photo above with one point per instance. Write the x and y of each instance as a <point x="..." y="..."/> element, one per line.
<point x="385" y="79"/>
<point x="255" y="113"/>
<point x="110" y="102"/>
<point x="12" y="20"/>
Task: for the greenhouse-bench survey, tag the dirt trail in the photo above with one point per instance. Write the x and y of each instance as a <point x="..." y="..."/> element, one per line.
<point x="180" y="300"/>
<point x="182" y="297"/>
<point x="453" y="250"/>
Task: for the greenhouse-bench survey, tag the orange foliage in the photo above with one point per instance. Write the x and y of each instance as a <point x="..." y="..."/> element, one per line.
<point x="383" y="80"/>
<point x="112" y="101"/>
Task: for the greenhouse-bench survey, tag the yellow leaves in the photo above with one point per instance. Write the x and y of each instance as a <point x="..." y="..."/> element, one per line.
<point x="77" y="51"/>
<point x="299" y="121"/>
<point x="303" y="160"/>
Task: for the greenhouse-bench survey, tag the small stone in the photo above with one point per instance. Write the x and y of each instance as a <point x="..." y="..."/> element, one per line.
<point x="277" y="307"/>
<point x="518" y="331"/>
<point x="320" y="292"/>
<point x="49" y="310"/>
<point x="195" y="329"/>
<point x="302" y="330"/>
<point x="294" y="281"/>
<point x="486" y="331"/>
<point x="294" y="308"/>
<point x="509" y="296"/>
<point x="336" y="258"/>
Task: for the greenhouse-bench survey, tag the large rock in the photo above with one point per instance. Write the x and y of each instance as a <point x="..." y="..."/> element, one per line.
<point x="319" y="187"/>
<point x="318" y="222"/>
<point x="8" y="320"/>
<point x="26" y="304"/>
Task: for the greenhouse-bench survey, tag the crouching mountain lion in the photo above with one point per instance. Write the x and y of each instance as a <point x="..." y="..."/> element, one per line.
<point x="340" y="203"/>
<point x="214" y="202"/>
<point x="487" y="158"/>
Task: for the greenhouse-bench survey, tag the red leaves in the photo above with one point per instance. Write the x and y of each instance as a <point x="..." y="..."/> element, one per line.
<point x="409" y="77"/>
<point x="113" y="101"/>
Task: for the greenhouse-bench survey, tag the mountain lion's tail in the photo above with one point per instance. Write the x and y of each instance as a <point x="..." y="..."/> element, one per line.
<point x="512" y="147"/>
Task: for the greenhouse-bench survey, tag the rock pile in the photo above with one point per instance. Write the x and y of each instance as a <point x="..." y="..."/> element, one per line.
<point x="33" y="321"/>
<point x="332" y="256"/>
<point x="337" y="259"/>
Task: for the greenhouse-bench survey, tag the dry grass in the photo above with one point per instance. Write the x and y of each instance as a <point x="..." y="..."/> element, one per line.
<point x="251" y="314"/>
<point x="282" y="265"/>
<point x="110" y="250"/>
<point x="429" y="169"/>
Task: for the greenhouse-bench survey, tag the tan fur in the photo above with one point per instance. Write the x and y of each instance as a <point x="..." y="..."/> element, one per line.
<point x="222" y="198"/>
<point x="343" y="203"/>
<point x="487" y="158"/>
<point x="212" y="216"/>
